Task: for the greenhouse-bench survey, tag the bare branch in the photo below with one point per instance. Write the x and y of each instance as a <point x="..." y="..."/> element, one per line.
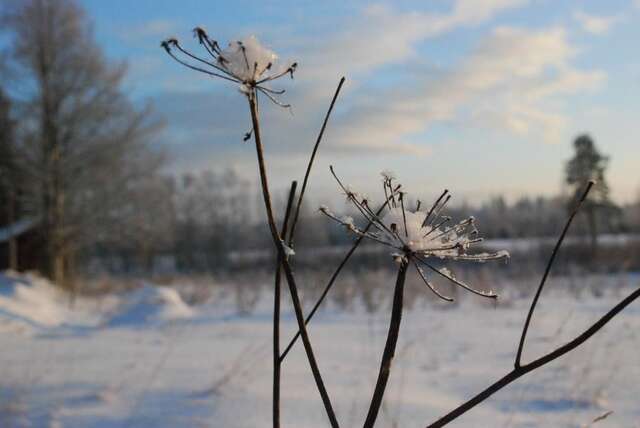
<point x="526" y="368"/>
<point x="311" y="159"/>
<point x="546" y="274"/>
<point x="293" y="289"/>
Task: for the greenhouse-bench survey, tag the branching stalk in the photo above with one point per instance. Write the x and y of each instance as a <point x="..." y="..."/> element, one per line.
<point x="293" y="289"/>
<point x="276" y="313"/>
<point x="311" y="159"/>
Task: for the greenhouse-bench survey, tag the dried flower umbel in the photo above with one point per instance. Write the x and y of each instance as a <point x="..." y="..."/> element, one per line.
<point x="245" y="62"/>
<point x="416" y="236"/>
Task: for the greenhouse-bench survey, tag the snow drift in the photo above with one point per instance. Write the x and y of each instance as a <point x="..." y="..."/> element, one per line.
<point x="151" y="304"/>
<point x="30" y="302"/>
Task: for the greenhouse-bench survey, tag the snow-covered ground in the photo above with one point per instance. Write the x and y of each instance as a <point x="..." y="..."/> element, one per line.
<point x="148" y="359"/>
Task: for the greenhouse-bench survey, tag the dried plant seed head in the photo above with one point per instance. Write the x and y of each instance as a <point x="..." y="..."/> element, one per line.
<point x="201" y="34"/>
<point x="388" y="175"/>
<point x="418" y="236"/>
<point x="245" y="62"/>
<point x="237" y="57"/>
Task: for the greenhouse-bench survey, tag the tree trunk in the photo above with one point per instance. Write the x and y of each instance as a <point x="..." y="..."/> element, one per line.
<point x="13" y="242"/>
<point x="593" y="233"/>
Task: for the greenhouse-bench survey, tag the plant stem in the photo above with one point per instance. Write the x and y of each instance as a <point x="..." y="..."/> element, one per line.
<point x="276" y="314"/>
<point x="534" y="302"/>
<point x="293" y="289"/>
<point x="297" y="214"/>
<point x="389" y="348"/>
<point x="311" y="159"/>
<point x="276" y="349"/>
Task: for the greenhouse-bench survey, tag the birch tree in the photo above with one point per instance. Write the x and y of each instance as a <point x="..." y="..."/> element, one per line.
<point x="81" y="141"/>
<point x="8" y="177"/>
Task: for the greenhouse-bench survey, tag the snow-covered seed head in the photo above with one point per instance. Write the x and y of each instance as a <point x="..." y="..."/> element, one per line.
<point x="388" y="175"/>
<point x="201" y="34"/>
<point x="245" y="62"/>
<point x="348" y="221"/>
<point x="169" y="43"/>
<point x="417" y="236"/>
<point x="351" y="194"/>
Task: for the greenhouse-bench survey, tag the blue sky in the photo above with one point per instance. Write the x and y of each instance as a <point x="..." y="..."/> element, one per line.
<point x="481" y="97"/>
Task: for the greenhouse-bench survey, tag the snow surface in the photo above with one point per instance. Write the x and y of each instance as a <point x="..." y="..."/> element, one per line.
<point x="147" y="359"/>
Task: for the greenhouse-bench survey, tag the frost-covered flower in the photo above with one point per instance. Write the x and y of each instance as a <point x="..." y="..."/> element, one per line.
<point x="245" y="62"/>
<point x="387" y="174"/>
<point x="417" y="236"/>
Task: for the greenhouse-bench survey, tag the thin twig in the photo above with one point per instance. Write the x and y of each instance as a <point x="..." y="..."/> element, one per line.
<point x="389" y="348"/>
<point x="195" y="68"/>
<point x="293" y="289"/>
<point x="276" y="313"/>
<point x="546" y="274"/>
<point x="311" y="159"/>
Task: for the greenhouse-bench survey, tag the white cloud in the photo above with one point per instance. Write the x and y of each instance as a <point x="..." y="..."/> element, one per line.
<point x="382" y="36"/>
<point x="512" y="81"/>
<point x="595" y="24"/>
<point x="509" y="83"/>
<point x="522" y="73"/>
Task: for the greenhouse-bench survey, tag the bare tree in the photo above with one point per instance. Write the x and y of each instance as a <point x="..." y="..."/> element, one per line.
<point x="81" y="139"/>
<point x="8" y="176"/>
<point x="212" y="210"/>
<point x="138" y="225"/>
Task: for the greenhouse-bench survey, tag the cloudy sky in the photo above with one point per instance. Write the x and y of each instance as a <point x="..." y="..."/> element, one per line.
<point x="483" y="97"/>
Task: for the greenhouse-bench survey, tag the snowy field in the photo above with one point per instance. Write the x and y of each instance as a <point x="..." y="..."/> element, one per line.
<point x="148" y="359"/>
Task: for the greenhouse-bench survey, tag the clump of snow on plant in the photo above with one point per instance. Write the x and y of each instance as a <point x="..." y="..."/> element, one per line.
<point x="247" y="59"/>
<point x="414" y="234"/>
<point x="430" y="240"/>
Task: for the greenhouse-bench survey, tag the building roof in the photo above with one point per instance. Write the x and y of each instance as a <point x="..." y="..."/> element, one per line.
<point x="18" y="228"/>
